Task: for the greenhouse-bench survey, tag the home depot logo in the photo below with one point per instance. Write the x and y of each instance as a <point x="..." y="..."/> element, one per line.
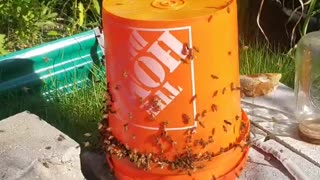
<point x="154" y="62"/>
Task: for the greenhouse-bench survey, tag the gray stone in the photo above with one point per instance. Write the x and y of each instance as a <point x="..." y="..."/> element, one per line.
<point x="33" y="149"/>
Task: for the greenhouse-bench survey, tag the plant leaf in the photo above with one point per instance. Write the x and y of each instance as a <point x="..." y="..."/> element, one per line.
<point x="53" y="33"/>
<point x="2" y="41"/>
<point x="81" y="14"/>
<point x="96" y="6"/>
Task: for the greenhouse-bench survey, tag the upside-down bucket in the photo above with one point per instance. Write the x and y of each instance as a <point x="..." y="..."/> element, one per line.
<point x="174" y="97"/>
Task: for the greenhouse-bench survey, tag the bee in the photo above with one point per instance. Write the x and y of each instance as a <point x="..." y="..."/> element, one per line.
<point x="155" y="101"/>
<point x="61" y="137"/>
<point x="210" y="18"/>
<point x="185" y="118"/>
<point x="173" y="143"/>
<point x="185" y="49"/>
<point x="224" y="90"/>
<point x="201" y="124"/>
<point x="226" y="149"/>
<point x="227" y="122"/>
<point x="237" y="174"/>
<point x="125" y="74"/>
<point x="192" y="99"/>
<point x="242" y="127"/>
<point x="196" y="142"/>
<point x="161" y="164"/>
<point x="215" y="93"/>
<point x="184" y="60"/>
<point x="228" y="9"/>
<point x="125" y="127"/>
<point x="108" y="129"/>
<point x="193" y="130"/>
<point x="127" y="146"/>
<point x="100" y="126"/>
<point x="213" y="131"/>
<point x="173" y="166"/>
<point x="197" y="118"/>
<point x="161" y="149"/>
<point x="225" y="128"/>
<point x="157" y="140"/>
<point x="232" y="86"/>
<point x="241" y="168"/>
<point x="237" y="117"/>
<point x="188" y="139"/>
<point x="107" y="142"/>
<point x="204" y="112"/>
<point x="214" y="108"/>
<point x="190" y="54"/>
<point x="164" y="133"/>
<point x="241" y="147"/>
<point x="152" y="117"/>
<point x="196" y="49"/>
<point x="86" y="144"/>
<point x="117" y="87"/>
<point x="214" y="76"/>
<point x="210" y="139"/>
<point x="45" y="164"/>
<point x="46" y="59"/>
<point x="130" y="115"/>
<point x="164" y="124"/>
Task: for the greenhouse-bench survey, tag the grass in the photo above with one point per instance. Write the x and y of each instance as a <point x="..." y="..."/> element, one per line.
<point x="79" y="112"/>
<point x="257" y="58"/>
<point x="74" y="114"/>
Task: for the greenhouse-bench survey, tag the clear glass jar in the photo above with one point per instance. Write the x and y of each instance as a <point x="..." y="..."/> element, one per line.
<point x="307" y="87"/>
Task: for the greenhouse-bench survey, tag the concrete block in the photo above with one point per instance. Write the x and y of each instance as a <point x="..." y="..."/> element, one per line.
<point x="33" y="149"/>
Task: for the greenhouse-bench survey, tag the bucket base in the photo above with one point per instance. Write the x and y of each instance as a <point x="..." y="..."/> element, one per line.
<point x="204" y="175"/>
<point x="128" y="172"/>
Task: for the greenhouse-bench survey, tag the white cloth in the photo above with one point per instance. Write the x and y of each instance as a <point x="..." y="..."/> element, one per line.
<point x="275" y="112"/>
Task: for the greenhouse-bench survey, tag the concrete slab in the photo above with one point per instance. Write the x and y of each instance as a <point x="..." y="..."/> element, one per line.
<point x="33" y="149"/>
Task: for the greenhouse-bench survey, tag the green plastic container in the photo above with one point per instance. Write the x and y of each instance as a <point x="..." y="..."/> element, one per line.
<point x="55" y="66"/>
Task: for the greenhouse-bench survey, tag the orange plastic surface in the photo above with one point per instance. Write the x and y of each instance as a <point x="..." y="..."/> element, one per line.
<point x="176" y="66"/>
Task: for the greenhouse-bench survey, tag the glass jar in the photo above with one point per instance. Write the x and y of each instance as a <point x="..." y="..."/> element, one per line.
<point x="307" y="87"/>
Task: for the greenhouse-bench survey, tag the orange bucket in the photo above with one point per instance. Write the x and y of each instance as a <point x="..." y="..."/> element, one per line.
<point x="174" y="98"/>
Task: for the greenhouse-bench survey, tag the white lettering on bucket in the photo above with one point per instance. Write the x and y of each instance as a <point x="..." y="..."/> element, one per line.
<point x="149" y="69"/>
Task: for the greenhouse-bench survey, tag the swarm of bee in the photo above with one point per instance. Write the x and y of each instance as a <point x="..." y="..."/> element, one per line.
<point x="187" y="160"/>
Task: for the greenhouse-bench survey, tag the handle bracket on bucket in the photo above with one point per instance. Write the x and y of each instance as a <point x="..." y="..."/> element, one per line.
<point x="100" y="38"/>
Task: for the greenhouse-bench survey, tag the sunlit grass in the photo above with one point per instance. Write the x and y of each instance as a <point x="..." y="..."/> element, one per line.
<point x="74" y="114"/>
<point x="257" y="58"/>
